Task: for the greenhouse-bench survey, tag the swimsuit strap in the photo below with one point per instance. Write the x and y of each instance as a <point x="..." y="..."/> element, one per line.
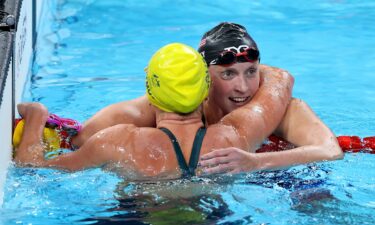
<point x="195" y="152"/>
<point x="187" y="171"/>
<point x="180" y="157"/>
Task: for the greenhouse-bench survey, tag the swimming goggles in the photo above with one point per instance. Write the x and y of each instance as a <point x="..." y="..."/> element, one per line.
<point x="72" y="127"/>
<point x="227" y="57"/>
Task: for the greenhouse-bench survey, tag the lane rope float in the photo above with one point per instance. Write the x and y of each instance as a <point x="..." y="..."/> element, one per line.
<point x="347" y="144"/>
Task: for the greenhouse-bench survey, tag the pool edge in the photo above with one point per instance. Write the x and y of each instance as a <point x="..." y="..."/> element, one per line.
<point x="15" y="71"/>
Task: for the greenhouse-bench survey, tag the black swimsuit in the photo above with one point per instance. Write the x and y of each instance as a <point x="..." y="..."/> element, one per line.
<point x="187" y="171"/>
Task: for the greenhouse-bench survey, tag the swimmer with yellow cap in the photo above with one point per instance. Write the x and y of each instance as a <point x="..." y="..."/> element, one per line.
<point x="237" y="81"/>
<point x="177" y="83"/>
<point x="177" y="79"/>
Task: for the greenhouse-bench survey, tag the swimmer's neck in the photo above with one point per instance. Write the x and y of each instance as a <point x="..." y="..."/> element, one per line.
<point x="212" y="112"/>
<point x="169" y="119"/>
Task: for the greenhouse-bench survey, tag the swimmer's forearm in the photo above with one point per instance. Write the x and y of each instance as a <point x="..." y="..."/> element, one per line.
<point x="298" y="156"/>
<point x="235" y="160"/>
<point x="93" y="154"/>
<point x="33" y="156"/>
<point x="67" y="163"/>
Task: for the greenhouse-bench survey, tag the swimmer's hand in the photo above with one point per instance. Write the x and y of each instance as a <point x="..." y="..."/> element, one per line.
<point x="228" y="160"/>
<point x="30" y="151"/>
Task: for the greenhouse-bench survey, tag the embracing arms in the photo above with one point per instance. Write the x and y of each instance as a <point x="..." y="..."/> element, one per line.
<point x="94" y="153"/>
<point x="137" y="112"/>
<point x="301" y="127"/>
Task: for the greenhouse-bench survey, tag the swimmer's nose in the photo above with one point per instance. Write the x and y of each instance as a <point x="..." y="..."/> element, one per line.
<point x="241" y="85"/>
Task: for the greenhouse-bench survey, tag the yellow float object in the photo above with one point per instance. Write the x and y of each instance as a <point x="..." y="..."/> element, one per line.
<point x="51" y="138"/>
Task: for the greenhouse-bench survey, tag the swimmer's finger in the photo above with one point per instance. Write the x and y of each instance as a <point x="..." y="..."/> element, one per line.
<point x="217" y="153"/>
<point x="235" y="170"/>
<point x="219" y="168"/>
<point x="214" y="161"/>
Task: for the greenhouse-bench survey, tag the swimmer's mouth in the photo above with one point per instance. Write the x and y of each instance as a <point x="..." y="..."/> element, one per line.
<point x="239" y="100"/>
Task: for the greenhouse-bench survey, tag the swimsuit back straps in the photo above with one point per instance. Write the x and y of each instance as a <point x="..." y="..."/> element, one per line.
<point x="187" y="170"/>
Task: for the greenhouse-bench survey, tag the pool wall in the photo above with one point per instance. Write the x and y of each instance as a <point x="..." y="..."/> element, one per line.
<point x="17" y="48"/>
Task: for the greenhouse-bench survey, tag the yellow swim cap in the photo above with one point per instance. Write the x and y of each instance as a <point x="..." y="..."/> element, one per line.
<point x="177" y="79"/>
<point x="50" y="137"/>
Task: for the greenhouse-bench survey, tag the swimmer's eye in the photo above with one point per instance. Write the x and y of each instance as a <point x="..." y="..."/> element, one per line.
<point x="251" y="72"/>
<point x="227" y="74"/>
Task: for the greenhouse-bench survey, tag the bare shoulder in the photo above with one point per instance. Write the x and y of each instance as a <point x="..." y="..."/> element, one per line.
<point x="266" y="70"/>
<point x="117" y="135"/>
<point x="222" y="136"/>
<point x="150" y="137"/>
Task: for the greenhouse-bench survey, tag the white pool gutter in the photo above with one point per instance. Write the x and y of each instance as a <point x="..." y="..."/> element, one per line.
<point x="17" y="44"/>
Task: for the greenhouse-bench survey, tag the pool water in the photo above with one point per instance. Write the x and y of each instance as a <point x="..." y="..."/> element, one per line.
<point x="94" y="54"/>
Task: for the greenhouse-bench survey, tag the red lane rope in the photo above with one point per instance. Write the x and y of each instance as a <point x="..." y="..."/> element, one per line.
<point x="357" y="144"/>
<point x="347" y="144"/>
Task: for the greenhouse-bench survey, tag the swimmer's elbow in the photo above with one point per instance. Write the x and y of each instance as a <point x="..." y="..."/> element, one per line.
<point x="339" y="154"/>
<point x="289" y="80"/>
<point x="334" y="152"/>
<point x="289" y="77"/>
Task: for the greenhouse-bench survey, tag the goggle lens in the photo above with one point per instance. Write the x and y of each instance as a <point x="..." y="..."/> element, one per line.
<point x="230" y="57"/>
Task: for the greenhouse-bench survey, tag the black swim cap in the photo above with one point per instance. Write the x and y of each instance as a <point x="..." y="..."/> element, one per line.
<point x="225" y="36"/>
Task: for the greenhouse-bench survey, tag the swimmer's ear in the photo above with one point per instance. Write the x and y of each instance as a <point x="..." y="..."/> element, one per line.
<point x="145" y="69"/>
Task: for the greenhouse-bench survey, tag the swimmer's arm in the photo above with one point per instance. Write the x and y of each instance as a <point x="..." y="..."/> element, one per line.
<point x="273" y="97"/>
<point x="303" y="128"/>
<point x="137" y="112"/>
<point x="93" y="153"/>
<point x="101" y="149"/>
<point x="300" y="126"/>
<point x="30" y="151"/>
<point x="87" y="156"/>
<point x="90" y="155"/>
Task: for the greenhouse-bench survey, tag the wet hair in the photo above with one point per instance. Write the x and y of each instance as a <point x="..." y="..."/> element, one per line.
<point x="223" y="36"/>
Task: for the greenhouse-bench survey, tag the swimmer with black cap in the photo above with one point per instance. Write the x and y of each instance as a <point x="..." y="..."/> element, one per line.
<point x="140" y="113"/>
<point x="224" y="48"/>
<point x="269" y="98"/>
<point x="233" y="59"/>
<point x="169" y="151"/>
<point x="228" y="43"/>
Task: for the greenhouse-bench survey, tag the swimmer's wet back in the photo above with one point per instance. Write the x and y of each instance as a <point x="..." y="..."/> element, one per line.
<point x="187" y="169"/>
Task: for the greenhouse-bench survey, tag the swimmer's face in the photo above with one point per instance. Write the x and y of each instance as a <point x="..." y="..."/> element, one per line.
<point x="233" y="86"/>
